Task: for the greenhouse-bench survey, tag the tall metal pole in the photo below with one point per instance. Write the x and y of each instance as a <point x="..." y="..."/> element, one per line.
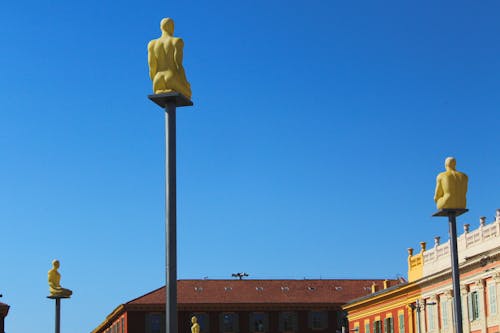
<point x="455" y="272"/>
<point x="171" y="218"/>
<point x="58" y="315"/>
<point x="169" y="103"/>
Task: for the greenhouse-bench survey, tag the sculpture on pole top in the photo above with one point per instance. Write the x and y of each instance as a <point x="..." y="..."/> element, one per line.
<point x="54" y="277"/>
<point x="451" y="187"/>
<point x="165" y="62"/>
<point x="195" y="328"/>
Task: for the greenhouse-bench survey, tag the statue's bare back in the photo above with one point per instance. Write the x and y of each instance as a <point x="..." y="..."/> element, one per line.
<point x="165" y="56"/>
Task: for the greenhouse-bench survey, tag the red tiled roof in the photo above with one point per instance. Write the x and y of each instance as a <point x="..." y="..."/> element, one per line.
<point x="236" y="293"/>
<point x="263" y="291"/>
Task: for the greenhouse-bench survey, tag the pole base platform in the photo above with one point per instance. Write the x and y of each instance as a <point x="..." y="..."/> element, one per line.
<point x="162" y="99"/>
<point x="57" y="297"/>
<point x="450" y="212"/>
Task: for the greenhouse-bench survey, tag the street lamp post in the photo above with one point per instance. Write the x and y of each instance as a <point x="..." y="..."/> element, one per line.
<point x="419" y="307"/>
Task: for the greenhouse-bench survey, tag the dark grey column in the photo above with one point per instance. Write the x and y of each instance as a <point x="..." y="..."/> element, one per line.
<point x="171" y="217"/>
<point x="169" y="102"/>
<point x="455" y="273"/>
<point x="57" y="300"/>
<point x="455" y="270"/>
<point x="58" y="315"/>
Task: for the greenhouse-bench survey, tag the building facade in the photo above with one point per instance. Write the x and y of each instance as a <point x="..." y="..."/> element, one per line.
<point x="244" y="306"/>
<point x="425" y="303"/>
<point x="385" y="311"/>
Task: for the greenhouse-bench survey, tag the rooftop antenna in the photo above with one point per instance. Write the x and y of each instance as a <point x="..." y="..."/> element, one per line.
<point x="240" y="275"/>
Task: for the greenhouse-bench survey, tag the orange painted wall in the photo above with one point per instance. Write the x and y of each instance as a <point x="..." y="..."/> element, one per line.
<point x="382" y="315"/>
<point x="493" y="329"/>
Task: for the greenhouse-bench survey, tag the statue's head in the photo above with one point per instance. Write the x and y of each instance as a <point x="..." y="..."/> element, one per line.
<point x="167" y="26"/>
<point x="450" y="163"/>
<point x="55" y="263"/>
<point x="194" y="320"/>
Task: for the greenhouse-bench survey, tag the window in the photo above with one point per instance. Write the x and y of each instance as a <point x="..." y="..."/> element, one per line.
<point x="445" y="315"/>
<point x="473" y="303"/>
<point x="431" y="318"/>
<point x="388" y="325"/>
<point x="377" y="326"/>
<point x="154" y="323"/>
<point x="492" y="298"/>
<point x="258" y="322"/>
<point x="229" y="322"/>
<point x="401" y="322"/>
<point x="123" y="325"/>
<point x="318" y="320"/>
<point x="288" y="322"/>
<point x="367" y="327"/>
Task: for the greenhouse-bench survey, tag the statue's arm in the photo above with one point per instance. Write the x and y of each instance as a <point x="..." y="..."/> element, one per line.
<point x="178" y="52"/>
<point x="438" y="193"/>
<point x="153" y="65"/>
<point x="178" y="57"/>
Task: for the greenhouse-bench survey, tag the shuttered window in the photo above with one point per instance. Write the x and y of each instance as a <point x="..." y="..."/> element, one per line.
<point x="258" y="322"/>
<point x="318" y="320"/>
<point x="388" y="325"/>
<point x="401" y="323"/>
<point x="492" y="298"/>
<point x="288" y="322"/>
<point x="229" y="322"/>
<point x="473" y="305"/>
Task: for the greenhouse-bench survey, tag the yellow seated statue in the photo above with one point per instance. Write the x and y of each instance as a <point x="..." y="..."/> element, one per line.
<point x="195" y="328"/>
<point x="54" y="278"/>
<point x="451" y="187"/>
<point x="165" y="62"/>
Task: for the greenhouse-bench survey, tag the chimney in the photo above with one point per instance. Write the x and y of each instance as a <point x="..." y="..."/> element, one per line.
<point x="386" y="284"/>
<point x="374" y="287"/>
<point x="422" y="246"/>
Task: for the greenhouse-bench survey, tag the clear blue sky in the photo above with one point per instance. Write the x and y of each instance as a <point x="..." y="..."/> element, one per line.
<point x="311" y="151"/>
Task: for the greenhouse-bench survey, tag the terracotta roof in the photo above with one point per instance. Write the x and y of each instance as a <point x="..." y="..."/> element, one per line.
<point x="380" y="292"/>
<point x="236" y="293"/>
<point x="263" y="291"/>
